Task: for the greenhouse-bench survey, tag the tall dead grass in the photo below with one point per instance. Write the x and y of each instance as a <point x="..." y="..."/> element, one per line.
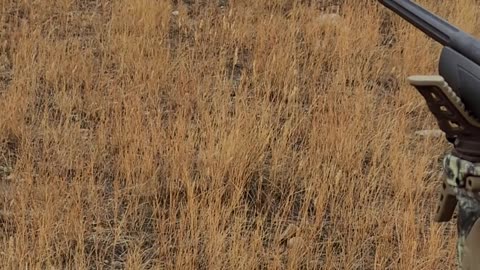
<point x="133" y="137"/>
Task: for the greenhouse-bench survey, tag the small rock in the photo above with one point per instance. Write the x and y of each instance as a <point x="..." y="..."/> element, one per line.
<point x="290" y="231"/>
<point x="117" y="265"/>
<point x="433" y="133"/>
<point x="175" y="13"/>
<point x="295" y="242"/>
<point x="330" y="18"/>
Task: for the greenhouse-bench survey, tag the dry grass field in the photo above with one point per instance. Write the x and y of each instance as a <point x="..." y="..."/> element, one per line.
<point x="155" y="134"/>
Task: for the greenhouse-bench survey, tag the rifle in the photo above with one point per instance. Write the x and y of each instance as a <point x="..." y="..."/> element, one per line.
<point x="459" y="65"/>
<point x="454" y="100"/>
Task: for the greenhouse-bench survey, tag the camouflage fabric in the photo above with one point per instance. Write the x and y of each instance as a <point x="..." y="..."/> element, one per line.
<point x="468" y="243"/>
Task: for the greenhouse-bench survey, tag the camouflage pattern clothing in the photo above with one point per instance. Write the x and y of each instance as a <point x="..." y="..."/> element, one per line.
<point x="457" y="172"/>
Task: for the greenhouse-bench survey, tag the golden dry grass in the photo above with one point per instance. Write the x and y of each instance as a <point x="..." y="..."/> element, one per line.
<point x="131" y="137"/>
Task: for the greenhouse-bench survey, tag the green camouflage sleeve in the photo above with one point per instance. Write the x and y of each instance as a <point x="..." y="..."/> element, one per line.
<point x="464" y="177"/>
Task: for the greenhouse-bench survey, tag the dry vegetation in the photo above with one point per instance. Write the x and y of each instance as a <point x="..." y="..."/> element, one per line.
<point x="155" y="134"/>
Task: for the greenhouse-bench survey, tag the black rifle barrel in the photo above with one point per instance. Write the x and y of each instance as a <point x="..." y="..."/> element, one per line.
<point x="436" y="28"/>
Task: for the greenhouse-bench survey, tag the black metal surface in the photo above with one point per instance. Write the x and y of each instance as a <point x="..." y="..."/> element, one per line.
<point x="436" y="28"/>
<point x="460" y="60"/>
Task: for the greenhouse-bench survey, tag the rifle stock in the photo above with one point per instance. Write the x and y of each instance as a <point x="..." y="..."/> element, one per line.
<point x="460" y="59"/>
